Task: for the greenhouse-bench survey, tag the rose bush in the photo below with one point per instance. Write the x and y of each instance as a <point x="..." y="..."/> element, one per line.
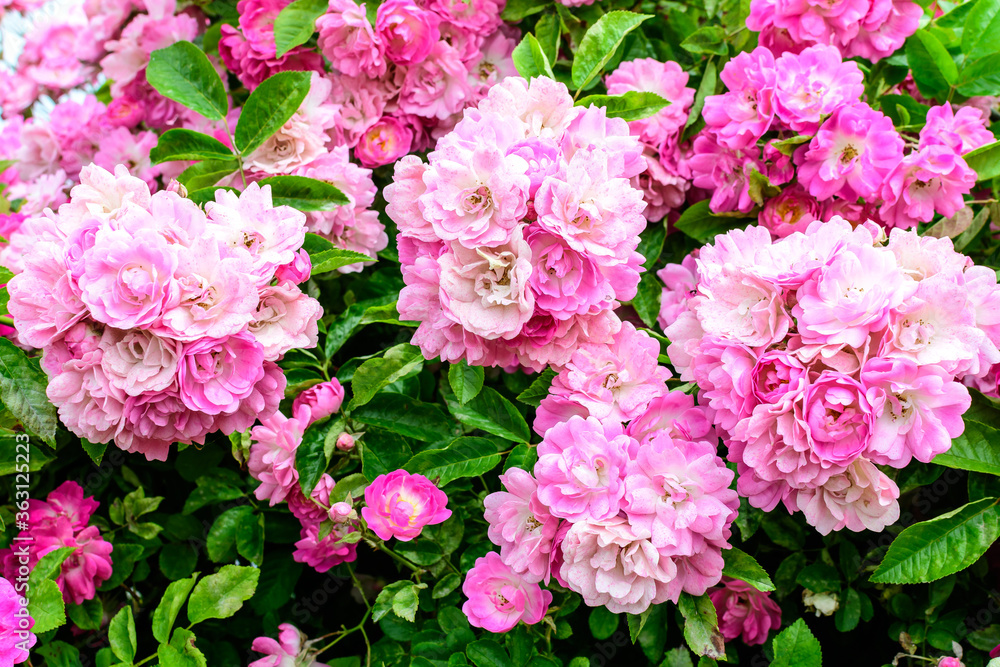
<point x="428" y="333"/>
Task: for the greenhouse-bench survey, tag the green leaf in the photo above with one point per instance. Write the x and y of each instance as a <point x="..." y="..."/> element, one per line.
<point x="465" y="380"/>
<point x="463" y="457"/>
<point x="353" y="485"/>
<point x="269" y="106"/>
<point x="200" y="178"/>
<point x="95" y="450"/>
<point x="819" y="577"/>
<point x="398" y="362"/>
<point x="181" y="144"/>
<point x="49" y="566"/>
<point x="975" y="449"/>
<point x="87" y="615"/>
<point x="530" y="60"/>
<point x="701" y="626"/>
<point x="981" y="36"/>
<point x="698" y="222"/>
<point x="933" y="68"/>
<point x="250" y="538"/>
<point x="121" y="634"/>
<point x="210" y="490"/>
<point x="221" y="538"/>
<point x="59" y="654"/>
<point x="400" y="597"/>
<point x="45" y="605"/>
<point x="797" y="647"/>
<point x="170" y="605"/>
<point x="602" y="622"/>
<point x="849" y="613"/>
<point x="678" y="657"/>
<point x="515" y="10"/>
<point x="651" y="244"/>
<point x="311" y="458"/>
<point x="647" y="299"/>
<point x="304" y="194"/>
<point x="401" y="414"/>
<point x="599" y="44"/>
<point x="382" y="452"/>
<point x="446" y="585"/>
<point x="181" y="651"/>
<point x="538" y="389"/>
<point x="487" y="653"/>
<point x="741" y="565"/>
<point x="709" y="80"/>
<point x="941" y="546"/>
<point x="548" y="31"/>
<point x="985" y="161"/>
<point x="708" y="39"/>
<point x="966" y="237"/>
<point x="222" y="595"/>
<point x="630" y="106"/>
<point x="22" y="391"/>
<point x="492" y="413"/>
<point x="183" y="73"/>
<point x="296" y="23"/>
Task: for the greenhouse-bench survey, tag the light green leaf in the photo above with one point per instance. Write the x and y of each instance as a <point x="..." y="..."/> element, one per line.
<point x="22" y="391"/>
<point x="181" y="651"/>
<point x="222" y="595"/>
<point x="741" y="565"/>
<point x="87" y="615"/>
<point x="629" y="106"/>
<point x="797" y="647"/>
<point x="95" y="450"/>
<point x="463" y="457"/>
<point x="981" y="36"/>
<point x="45" y="605"/>
<point x="304" y="194"/>
<point x="200" y="178"/>
<point x="170" y="605"/>
<point x="941" y="546"/>
<point x="701" y="626"/>
<point x="49" y="566"/>
<point x="296" y="23"/>
<point x="599" y="44"/>
<point x="530" y="60"/>
<point x="182" y="144"/>
<point x="492" y="413"/>
<point x="400" y="597"/>
<point x="121" y="634"/>
<point x="707" y="39"/>
<point x="985" y="161"/>
<point x="183" y="73"/>
<point x="269" y="106"/>
<point x="398" y="362"/>
<point x="465" y="380"/>
<point x="326" y="257"/>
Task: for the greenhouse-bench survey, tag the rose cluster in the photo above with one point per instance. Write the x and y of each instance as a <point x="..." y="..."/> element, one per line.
<point x="872" y="29"/>
<point x="627" y="515"/>
<point x="518" y="238"/>
<point x="828" y="353"/>
<point x="56" y="522"/>
<point x="795" y="122"/>
<point x="161" y="322"/>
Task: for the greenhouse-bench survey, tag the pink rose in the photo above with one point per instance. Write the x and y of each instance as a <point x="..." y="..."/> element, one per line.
<point x="840" y="417"/>
<point x="742" y="115"/>
<point x="348" y="41"/>
<point x="215" y="375"/>
<point x="745" y="611"/>
<point x="400" y="504"/>
<point x="498" y="597"/>
<point x="15" y="626"/>
<point x="318" y="402"/>
<point x="861" y="498"/>
<point x="521" y="525"/>
<point x="291" y="647"/>
<point x="407" y="31"/>
<point x="812" y="84"/>
<point x="272" y="457"/>
<point x="384" y="142"/>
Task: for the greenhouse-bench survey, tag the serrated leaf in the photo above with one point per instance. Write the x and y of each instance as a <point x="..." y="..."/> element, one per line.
<point x="200" y="178"/>
<point x="382" y="452"/>
<point x="701" y="626"/>
<point x="121" y="635"/>
<point x="49" y="566"/>
<point x="269" y="107"/>
<point x="985" y="161"/>
<point x="408" y="417"/>
<point x="183" y="73"/>
<point x="170" y="605"/>
<point x="296" y="23"/>
<point x="463" y="457"/>
<point x="222" y="595"/>
<point x="304" y="194"/>
<point x="849" y="613"/>
<point x="22" y="391"/>
<point x="530" y="60"/>
<point x="941" y="546"/>
<point x="796" y="646"/>
<point x="632" y="105"/>
<point x="741" y="565"/>
<point x="95" y="450"/>
<point x="400" y="597"/>
<point x="709" y="39"/>
<point x="87" y="615"/>
<point x="46" y="606"/>
<point x="181" y="651"/>
<point x="466" y="381"/>
<point x="492" y="413"/>
<point x="981" y="36"/>
<point x="374" y="374"/>
<point x="538" y="389"/>
<point x="183" y="144"/>
<point x="599" y="44"/>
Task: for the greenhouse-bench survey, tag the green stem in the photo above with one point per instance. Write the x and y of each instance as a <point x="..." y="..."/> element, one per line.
<point x="394" y="555"/>
<point x="345" y="633"/>
<point x="6" y="320"/>
<point x="239" y="155"/>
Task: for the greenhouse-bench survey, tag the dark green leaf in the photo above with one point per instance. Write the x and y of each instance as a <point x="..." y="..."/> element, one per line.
<point x="269" y="106"/>
<point x="59" y="654"/>
<point x="398" y="362"/>
<point x="981" y="36"/>
<point x="382" y="452"/>
<point x="515" y="10"/>
<point x="599" y="44"/>
<point x="304" y="194"/>
<point x="401" y="414"/>
<point x="399" y="597"/>
<point x="698" y="222"/>
<point x="86" y="615"/>
<point x="820" y="578"/>
<point x="181" y="651"/>
<point x="463" y="457"/>
<point x="651" y="244"/>
<point x="211" y="490"/>
<point x="603" y="623"/>
<point x="849" y="613"/>
<point x="182" y="144"/>
<point x="701" y="626"/>
<point x="312" y="457"/>
<point x="487" y="653"/>
<point x="221" y="540"/>
<point x="183" y="73"/>
<point x="95" y="450"/>
<point x="933" y="68"/>
<point x="708" y="39"/>
<point x="296" y="23"/>
<point x="538" y="390"/>
<point x="941" y="546"/>
<point x="250" y="538"/>
<point x="465" y="380"/>
<point x="647" y="299"/>
<point x="492" y="413"/>
<point x="22" y="391"/>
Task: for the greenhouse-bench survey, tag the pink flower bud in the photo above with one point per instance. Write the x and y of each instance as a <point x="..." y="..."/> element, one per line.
<point x="345" y="442"/>
<point x="297" y="271"/>
<point x="318" y="402"/>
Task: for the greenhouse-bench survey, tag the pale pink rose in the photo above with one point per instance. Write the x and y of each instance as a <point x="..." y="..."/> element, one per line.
<point x="88" y="404"/>
<point x="922" y="414"/>
<point x="581" y="468"/>
<point x="613" y="564"/>
<point x="680" y="283"/>
<point x="16" y="637"/>
<point x="272" y="457"/>
<point x="741" y="116"/>
<point x="590" y="130"/>
<point x="840" y="417"/>
<point x="361" y="101"/>
<point x="676" y="415"/>
<point x="543" y="105"/>
<point x="138" y="361"/>
<point x="487" y="290"/>
<point x="214" y="375"/>
<point x="789" y="212"/>
<point x="39" y="152"/>
<point x="318" y="402"/>
<point x="492" y="63"/>
<point x="122" y="147"/>
<point x="922" y="257"/>
<point x="384" y="142"/>
<point x="663" y="190"/>
<point x="348" y="40"/>
<point x="521" y="525"/>
<point x="153" y="421"/>
<point x="668" y="81"/>
<point x="862" y="498"/>
<point x="17" y="93"/>
<point x="812" y="84"/>
<point x="285" y="319"/>
<point x="400" y="504"/>
<point x="437" y="86"/>
<point x="290" y="649"/>
<point x="408" y="31"/>
<point x="481" y="17"/>
<point x="566" y="282"/>
<point x="56" y="55"/>
<point x="403" y="196"/>
<point x="745" y="612"/>
<point x="963" y="130"/>
<point x="498" y="597"/>
<point x="129" y="54"/>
